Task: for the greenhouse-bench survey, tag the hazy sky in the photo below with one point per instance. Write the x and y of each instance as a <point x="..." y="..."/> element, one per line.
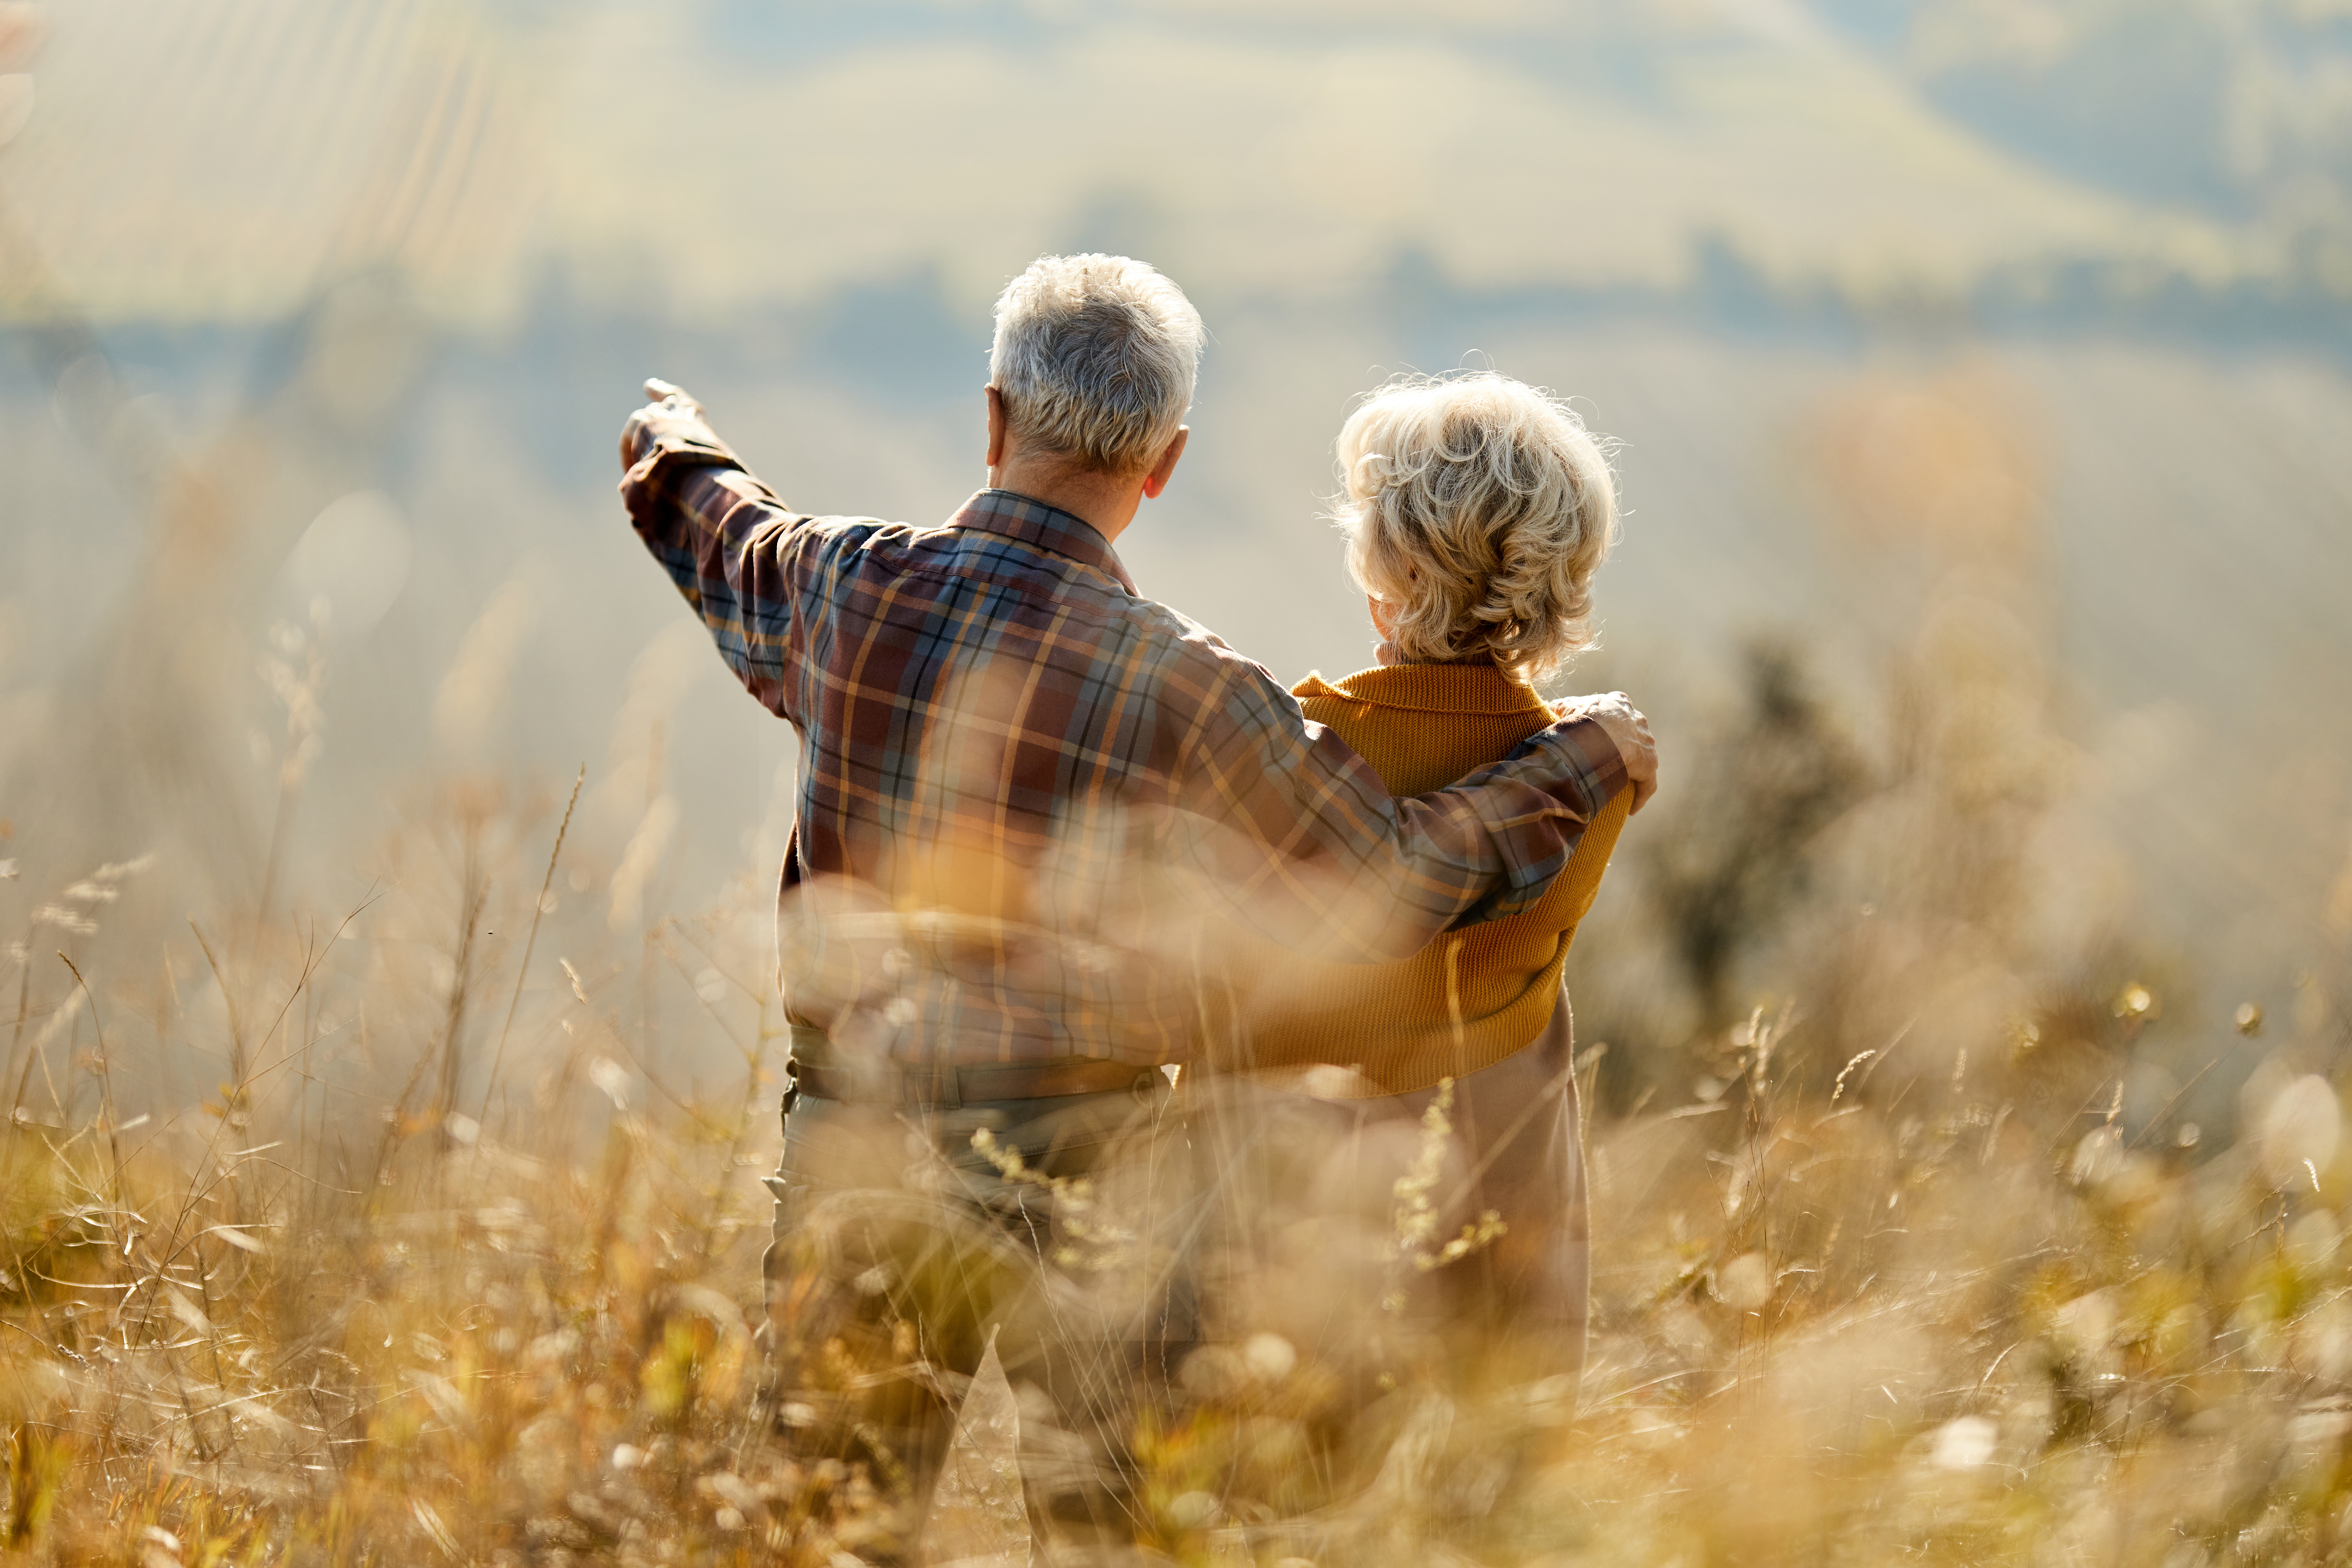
<point x="220" y="157"/>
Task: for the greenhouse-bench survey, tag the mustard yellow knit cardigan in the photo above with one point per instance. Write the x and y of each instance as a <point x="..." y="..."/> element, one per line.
<point x="1471" y="997"/>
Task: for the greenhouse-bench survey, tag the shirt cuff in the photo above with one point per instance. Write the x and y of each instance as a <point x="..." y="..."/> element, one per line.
<point x="646" y="484"/>
<point x="1573" y="768"/>
<point x="1596" y="769"/>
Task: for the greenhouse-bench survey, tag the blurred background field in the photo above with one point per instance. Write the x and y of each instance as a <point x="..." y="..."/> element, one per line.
<point x="1985" y="384"/>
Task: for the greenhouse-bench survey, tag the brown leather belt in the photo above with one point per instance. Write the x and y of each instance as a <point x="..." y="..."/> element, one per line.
<point x="895" y="1085"/>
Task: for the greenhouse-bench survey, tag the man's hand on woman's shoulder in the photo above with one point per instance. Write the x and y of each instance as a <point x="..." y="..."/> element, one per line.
<point x="1624" y="724"/>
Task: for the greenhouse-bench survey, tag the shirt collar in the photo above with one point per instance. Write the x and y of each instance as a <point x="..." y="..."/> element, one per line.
<point x="1049" y="528"/>
<point x="1432" y="689"/>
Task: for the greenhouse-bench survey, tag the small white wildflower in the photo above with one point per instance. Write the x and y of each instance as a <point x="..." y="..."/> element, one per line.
<point x="613" y="1079"/>
<point x="1744" y="1284"/>
<point x="1270" y="1357"/>
<point x="1965" y="1443"/>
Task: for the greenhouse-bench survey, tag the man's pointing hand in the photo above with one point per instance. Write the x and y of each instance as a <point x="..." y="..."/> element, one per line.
<point x="1624" y="724"/>
<point x="671" y="413"/>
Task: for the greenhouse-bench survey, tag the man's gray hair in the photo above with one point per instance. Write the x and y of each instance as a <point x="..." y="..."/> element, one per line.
<point x="1095" y="357"/>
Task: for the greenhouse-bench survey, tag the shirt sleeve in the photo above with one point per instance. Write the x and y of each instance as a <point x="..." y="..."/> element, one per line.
<point x="734" y="549"/>
<point x="1302" y="841"/>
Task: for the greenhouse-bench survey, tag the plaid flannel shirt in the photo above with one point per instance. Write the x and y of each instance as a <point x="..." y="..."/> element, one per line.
<point x="1035" y="809"/>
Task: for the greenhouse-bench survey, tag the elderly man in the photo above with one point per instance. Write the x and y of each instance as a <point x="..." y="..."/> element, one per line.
<point x="1029" y="798"/>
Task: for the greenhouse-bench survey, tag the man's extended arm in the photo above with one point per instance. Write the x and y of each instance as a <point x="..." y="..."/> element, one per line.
<point x="1307" y="846"/>
<point x="1295" y="833"/>
<point x="715" y="529"/>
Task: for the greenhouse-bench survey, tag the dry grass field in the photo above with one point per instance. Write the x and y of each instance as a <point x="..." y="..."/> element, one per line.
<point x="1900" y="1261"/>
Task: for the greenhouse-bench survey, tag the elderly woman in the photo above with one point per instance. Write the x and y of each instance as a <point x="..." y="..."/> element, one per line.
<point x="1477" y="511"/>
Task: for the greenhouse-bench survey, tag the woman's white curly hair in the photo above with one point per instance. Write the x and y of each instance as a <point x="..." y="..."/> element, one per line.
<point x="1478" y="509"/>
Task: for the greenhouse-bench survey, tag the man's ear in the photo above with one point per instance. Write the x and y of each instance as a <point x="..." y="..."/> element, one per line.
<point x="1157" y="480"/>
<point x="996" y="426"/>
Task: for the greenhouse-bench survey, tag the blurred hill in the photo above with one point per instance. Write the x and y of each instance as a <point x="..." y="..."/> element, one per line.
<point x="709" y="157"/>
<point x="2033" y="315"/>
